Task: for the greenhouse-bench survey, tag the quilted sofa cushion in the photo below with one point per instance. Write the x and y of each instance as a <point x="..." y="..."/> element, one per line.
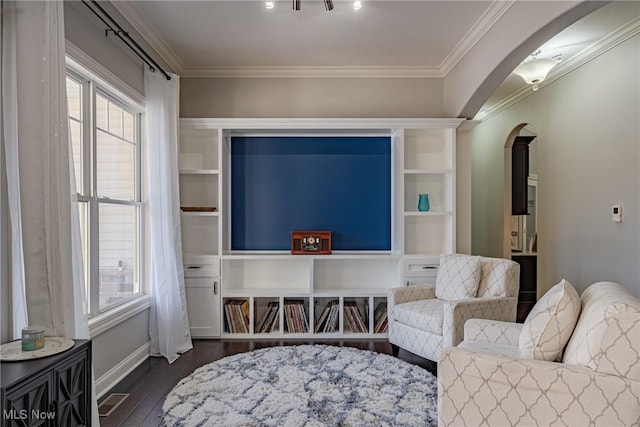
<point x="426" y="315"/>
<point x="607" y="335"/>
<point x="458" y="277"/>
<point x="550" y="323"/>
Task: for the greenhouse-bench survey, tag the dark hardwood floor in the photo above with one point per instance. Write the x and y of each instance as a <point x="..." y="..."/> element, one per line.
<point x="148" y="384"/>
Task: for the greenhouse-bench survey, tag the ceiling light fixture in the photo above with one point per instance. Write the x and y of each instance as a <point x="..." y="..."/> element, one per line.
<point x="534" y="70"/>
<point x="328" y="4"/>
<point x="269" y="4"/>
<point x="357" y="5"/>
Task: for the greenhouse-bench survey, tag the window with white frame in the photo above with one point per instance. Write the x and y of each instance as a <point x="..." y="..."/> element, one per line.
<point x="105" y="136"/>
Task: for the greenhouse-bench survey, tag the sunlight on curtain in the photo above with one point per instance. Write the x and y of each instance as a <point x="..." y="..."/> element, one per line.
<point x="168" y="323"/>
<point x="10" y="137"/>
<point x="40" y="178"/>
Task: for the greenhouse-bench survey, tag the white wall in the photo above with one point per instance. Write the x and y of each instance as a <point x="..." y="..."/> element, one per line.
<point x="311" y="97"/>
<point x="122" y="338"/>
<point x="86" y="31"/>
<point x="588" y="158"/>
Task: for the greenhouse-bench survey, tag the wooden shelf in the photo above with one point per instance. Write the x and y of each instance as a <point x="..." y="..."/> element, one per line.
<point x="198" y="171"/>
<point x="427" y="171"/>
<point x="429" y="213"/>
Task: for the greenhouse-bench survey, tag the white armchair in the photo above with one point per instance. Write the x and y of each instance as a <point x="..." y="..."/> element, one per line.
<point x="423" y="319"/>
<point x="493" y="378"/>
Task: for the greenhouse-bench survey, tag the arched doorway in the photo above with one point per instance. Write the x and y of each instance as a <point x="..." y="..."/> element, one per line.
<point x="520" y="231"/>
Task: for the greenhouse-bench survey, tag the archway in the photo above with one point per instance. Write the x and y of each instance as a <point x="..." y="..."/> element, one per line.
<point x="520" y="230"/>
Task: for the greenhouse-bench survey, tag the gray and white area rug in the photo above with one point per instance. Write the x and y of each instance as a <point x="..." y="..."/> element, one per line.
<point x="306" y="385"/>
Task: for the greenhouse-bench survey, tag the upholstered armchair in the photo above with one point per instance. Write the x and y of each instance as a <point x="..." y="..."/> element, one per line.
<point x="423" y="319"/>
<point x="574" y="362"/>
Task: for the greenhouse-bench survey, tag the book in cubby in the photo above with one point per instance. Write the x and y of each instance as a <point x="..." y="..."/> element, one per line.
<point x="267" y="315"/>
<point x="355" y="319"/>
<point x="236" y="316"/>
<point x="327" y="319"/>
<point x="380" y="319"/>
<point x="295" y="316"/>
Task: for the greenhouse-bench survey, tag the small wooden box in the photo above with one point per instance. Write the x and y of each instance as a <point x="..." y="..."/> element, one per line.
<point x="310" y="242"/>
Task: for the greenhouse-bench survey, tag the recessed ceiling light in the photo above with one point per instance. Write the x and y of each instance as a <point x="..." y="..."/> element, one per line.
<point x="357" y="5"/>
<point x="269" y="4"/>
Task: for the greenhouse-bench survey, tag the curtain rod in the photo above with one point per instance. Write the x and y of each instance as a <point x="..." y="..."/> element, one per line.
<point x="125" y="37"/>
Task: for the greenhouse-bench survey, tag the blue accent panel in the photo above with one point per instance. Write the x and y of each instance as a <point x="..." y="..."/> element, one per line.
<point x="338" y="184"/>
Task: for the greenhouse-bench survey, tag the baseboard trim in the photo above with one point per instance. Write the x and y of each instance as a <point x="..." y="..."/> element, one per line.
<point x="116" y="374"/>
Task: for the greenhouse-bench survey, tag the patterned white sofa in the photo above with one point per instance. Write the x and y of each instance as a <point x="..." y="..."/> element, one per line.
<point x="423" y="319"/>
<point x="485" y="381"/>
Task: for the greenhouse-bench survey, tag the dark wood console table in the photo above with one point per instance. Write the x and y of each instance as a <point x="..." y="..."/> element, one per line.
<point x="52" y="391"/>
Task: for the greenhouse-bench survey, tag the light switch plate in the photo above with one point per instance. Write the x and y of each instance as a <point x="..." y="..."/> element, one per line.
<point x="616" y="213"/>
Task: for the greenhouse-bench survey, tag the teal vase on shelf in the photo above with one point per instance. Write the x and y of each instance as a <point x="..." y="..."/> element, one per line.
<point x="423" y="203"/>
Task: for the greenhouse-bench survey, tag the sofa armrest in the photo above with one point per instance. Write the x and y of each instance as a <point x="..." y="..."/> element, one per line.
<point x="411" y="293"/>
<point x="456" y="313"/>
<point x="487" y="389"/>
<point x="492" y="331"/>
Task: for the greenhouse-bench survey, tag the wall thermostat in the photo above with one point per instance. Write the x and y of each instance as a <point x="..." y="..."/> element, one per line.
<point x="616" y="213"/>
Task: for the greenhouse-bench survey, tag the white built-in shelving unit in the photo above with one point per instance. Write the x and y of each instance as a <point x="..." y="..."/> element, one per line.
<point x="216" y="277"/>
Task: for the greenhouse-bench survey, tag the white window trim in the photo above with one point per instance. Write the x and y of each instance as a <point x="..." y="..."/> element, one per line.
<point x="78" y="59"/>
<point x="104" y="321"/>
<point x="85" y="66"/>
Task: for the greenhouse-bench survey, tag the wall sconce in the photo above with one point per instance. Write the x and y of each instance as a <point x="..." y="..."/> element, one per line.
<point x="534" y="70"/>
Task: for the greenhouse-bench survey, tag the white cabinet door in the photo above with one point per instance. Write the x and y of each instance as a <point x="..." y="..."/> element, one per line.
<point x="203" y="304"/>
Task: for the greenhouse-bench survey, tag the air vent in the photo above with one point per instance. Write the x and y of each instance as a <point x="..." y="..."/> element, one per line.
<point x="108" y="405"/>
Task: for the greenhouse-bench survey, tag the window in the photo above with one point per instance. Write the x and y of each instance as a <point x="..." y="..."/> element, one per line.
<point x="105" y="137"/>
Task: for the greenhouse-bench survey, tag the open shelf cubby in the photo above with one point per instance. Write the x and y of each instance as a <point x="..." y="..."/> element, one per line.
<point x="296" y="315"/>
<point x="355" y="313"/>
<point x="266" y="315"/>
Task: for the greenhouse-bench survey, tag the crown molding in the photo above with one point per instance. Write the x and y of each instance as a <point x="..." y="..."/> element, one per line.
<point x="468" y="125"/>
<point x="321" y="123"/>
<point x="608" y="42"/>
<point x="475" y="34"/>
<point x="156" y="41"/>
<point x="311" y="72"/>
<point x="151" y="36"/>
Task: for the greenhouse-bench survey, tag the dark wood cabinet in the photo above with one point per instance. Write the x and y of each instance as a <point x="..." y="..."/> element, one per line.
<point x="520" y="174"/>
<point x="528" y="294"/>
<point x="52" y="391"/>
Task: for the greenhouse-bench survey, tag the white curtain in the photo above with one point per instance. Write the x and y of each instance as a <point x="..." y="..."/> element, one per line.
<point x="47" y="282"/>
<point x="37" y="158"/>
<point x="168" y="323"/>
<point x="10" y="142"/>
